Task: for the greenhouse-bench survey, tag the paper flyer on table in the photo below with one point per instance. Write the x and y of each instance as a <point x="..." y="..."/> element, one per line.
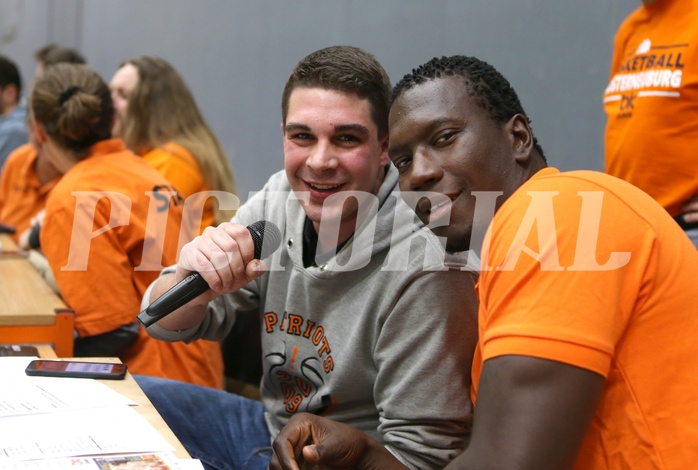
<point x="123" y="462"/>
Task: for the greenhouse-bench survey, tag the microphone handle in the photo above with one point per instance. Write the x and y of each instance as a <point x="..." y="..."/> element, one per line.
<point x="187" y="289"/>
<point x="194" y="285"/>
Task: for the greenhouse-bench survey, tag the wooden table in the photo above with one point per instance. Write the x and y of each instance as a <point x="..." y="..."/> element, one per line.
<point x="45" y="351"/>
<point x="30" y="310"/>
<point x="129" y="388"/>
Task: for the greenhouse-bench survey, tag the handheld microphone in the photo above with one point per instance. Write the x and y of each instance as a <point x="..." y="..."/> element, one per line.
<point x="266" y="238"/>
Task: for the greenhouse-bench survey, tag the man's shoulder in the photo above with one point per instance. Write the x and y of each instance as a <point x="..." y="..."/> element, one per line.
<point x="269" y="202"/>
<point x="577" y="180"/>
<point x="573" y="196"/>
<point x="277" y="187"/>
<point x="278" y="181"/>
<point x="21" y="155"/>
<point x="405" y="243"/>
<point x="17" y="116"/>
<point x="639" y="15"/>
<point x="9" y="125"/>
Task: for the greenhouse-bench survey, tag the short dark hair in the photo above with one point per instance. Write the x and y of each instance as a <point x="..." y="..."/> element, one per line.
<point x="492" y="91"/>
<point x="9" y="74"/>
<point x="347" y="69"/>
<point x="60" y="55"/>
<point x="40" y="53"/>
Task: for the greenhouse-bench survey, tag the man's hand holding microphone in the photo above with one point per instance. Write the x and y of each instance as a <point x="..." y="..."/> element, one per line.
<point x="221" y="260"/>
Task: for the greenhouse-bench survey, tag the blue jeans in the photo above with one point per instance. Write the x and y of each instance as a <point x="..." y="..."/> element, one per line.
<point x="693" y="235"/>
<point x="223" y="430"/>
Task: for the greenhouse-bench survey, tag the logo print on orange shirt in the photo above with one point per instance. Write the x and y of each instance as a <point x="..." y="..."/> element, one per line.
<point x="165" y="198"/>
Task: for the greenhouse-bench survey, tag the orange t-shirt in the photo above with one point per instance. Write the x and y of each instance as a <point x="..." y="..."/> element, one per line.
<point x="652" y="102"/>
<point x="600" y="278"/>
<point x="110" y="228"/>
<point x="181" y="169"/>
<point x="22" y="196"/>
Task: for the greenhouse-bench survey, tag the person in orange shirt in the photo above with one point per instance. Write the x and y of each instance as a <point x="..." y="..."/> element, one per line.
<point x="25" y="182"/>
<point x="651" y="102"/>
<point x="587" y="316"/>
<point x="111" y="223"/>
<point x="159" y="119"/>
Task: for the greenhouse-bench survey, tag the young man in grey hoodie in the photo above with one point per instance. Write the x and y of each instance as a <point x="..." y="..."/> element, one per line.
<point x="362" y="322"/>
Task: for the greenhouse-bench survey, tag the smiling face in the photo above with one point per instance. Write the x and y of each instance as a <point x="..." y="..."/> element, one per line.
<point x="122" y="84"/>
<point x="442" y="140"/>
<point x="331" y="145"/>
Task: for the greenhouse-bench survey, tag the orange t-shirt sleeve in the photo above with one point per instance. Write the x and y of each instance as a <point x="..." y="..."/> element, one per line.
<point x="545" y="296"/>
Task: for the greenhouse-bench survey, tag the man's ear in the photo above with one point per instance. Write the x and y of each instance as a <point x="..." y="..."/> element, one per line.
<point x="521" y="137"/>
<point x="283" y="129"/>
<point x="385" y="157"/>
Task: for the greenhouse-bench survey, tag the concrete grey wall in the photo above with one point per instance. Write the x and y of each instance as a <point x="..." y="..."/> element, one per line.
<point x="236" y="54"/>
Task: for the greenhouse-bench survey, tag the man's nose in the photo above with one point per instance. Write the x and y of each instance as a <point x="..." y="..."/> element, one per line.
<point x="322" y="157"/>
<point x="425" y="171"/>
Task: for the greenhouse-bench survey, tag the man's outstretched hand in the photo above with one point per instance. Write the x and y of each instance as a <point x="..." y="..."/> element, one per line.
<point x="690" y="210"/>
<point x="312" y="442"/>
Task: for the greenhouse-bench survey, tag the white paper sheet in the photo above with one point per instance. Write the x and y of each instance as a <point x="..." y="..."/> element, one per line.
<point x="97" y="431"/>
<point x="23" y="395"/>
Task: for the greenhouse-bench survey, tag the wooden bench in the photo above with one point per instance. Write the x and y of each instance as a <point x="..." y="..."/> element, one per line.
<point x="30" y="310"/>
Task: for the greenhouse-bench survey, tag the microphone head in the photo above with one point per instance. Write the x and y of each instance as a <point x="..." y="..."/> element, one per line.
<point x="266" y="237"/>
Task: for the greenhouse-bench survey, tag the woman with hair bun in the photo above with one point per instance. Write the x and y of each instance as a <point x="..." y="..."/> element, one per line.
<point x="111" y="223"/>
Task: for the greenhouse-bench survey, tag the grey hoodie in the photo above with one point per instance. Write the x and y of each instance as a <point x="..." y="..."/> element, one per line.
<point x="380" y="337"/>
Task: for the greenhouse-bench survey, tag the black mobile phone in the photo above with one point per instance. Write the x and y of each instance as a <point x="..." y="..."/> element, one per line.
<point x="4" y="228"/>
<point x="86" y="370"/>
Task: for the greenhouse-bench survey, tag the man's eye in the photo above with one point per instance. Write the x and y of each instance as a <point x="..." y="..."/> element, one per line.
<point x="348" y="139"/>
<point x="300" y="136"/>
<point x="401" y="163"/>
<point x="445" y="137"/>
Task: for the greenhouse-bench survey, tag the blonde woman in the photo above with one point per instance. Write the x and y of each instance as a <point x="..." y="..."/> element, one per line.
<point x="157" y="117"/>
